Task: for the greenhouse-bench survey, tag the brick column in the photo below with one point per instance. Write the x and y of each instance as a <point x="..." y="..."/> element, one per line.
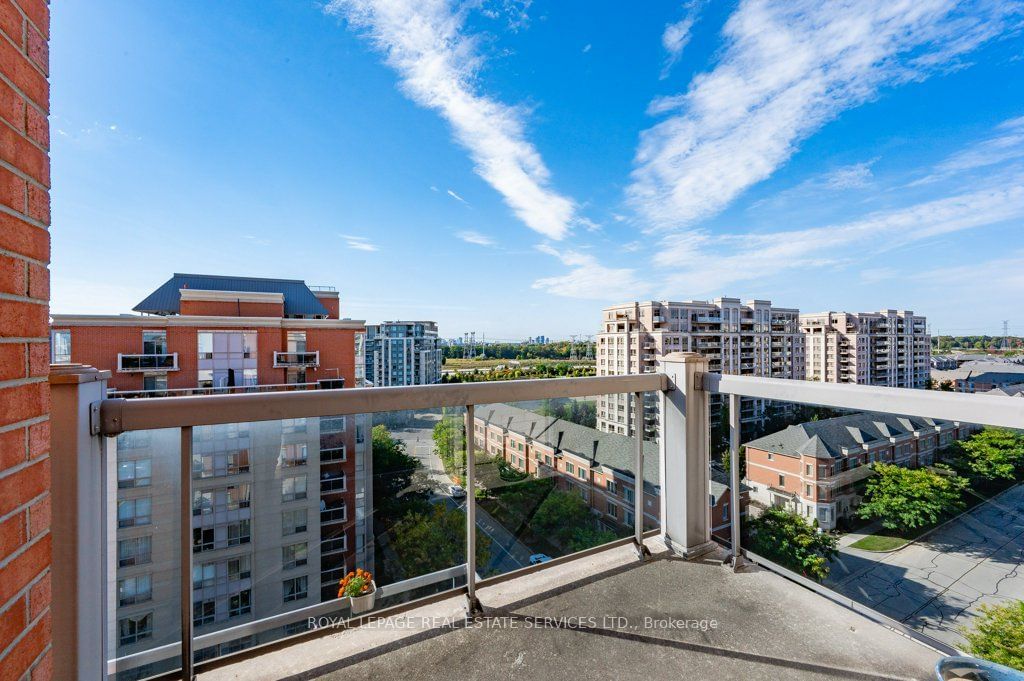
<point x="25" y="643"/>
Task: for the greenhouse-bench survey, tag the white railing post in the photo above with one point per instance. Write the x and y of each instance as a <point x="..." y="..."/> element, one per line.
<point x="473" y="607"/>
<point x="79" y="488"/>
<point x="684" y="454"/>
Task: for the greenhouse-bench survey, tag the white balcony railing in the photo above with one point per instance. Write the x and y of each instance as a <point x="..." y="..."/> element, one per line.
<point x="147" y="362"/>
<point x="297" y="360"/>
<point x="81" y="460"/>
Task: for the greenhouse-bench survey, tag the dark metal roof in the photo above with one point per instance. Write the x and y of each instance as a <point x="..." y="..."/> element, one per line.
<point x="166" y="300"/>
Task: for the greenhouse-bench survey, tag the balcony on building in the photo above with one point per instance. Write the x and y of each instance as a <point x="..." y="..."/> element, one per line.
<point x="466" y="620"/>
<point x="296" y="360"/>
<point x="167" y="361"/>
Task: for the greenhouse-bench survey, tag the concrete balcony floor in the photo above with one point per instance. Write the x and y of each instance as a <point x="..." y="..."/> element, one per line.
<point x="767" y="628"/>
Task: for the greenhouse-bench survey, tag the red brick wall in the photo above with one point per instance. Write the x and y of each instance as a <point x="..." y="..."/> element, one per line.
<point x="24" y="341"/>
<point x="218" y="308"/>
<point x="337" y="354"/>
<point x="332" y="304"/>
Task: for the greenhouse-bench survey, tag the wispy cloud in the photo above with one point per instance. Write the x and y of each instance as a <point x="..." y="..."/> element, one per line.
<point x="457" y="197"/>
<point x="259" y="241"/>
<point x="471" y="237"/>
<point x="1005" y="144"/>
<point x="843" y="178"/>
<point x="359" y="243"/>
<point x="789" y="67"/>
<point x="424" y="41"/>
<point x="698" y="263"/>
<point x="676" y="36"/>
<point x="587" y="278"/>
<point x="586" y="48"/>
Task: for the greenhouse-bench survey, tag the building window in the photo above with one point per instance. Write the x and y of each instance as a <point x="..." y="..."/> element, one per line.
<point x="238" y="533"/>
<point x="628" y="518"/>
<point x="202" y="539"/>
<point x="133" y="512"/>
<point x="135" y="473"/>
<point x="293" y="488"/>
<point x="294" y="589"/>
<point x="628" y="495"/>
<point x="239" y="568"/>
<point x="134" y="629"/>
<point x="203" y="612"/>
<point x="293" y="425"/>
<point x="293" y="522"/>
<point x="725" y="511"/>
<point x="613" y="510"/>
<point x="569" y="468"/>
<point x="154" y="342"/>
<point x="220" y="464"/>
<point x="154" y="382"/>
<point x="807" y="469"/>
<point x="581" y="473"/>
<point x="136" y="551"/>
<point x="240" y="604"/>
<point x="293" y="555"/>
<point x="610" y="486"/>
<point x="771" y="457"/>
<point x="782" y="480"/>
<point x="293" y="455"/>
<point x="807" y="490"/>
<point x="134" y="590"/>
<point x="60" y="347"/>
<point x="332" y="424"/>
<point x="204" y="576"/>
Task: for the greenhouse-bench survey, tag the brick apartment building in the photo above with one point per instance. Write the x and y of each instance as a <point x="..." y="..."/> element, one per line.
<point x="816" y="469"/>
<point x="597" y="465"/>
<point x="889" y="348"/>
<point x="277" y="505"/>
<point x="25" y="540"/>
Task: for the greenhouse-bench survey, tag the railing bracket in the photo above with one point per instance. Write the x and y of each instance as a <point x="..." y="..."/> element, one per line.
<point x="641" y="551"/>
<point x="473" y="607"/>
<point x="94" y="418"/>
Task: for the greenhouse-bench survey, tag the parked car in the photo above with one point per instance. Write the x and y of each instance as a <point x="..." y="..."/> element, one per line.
<point x="538" y="558"/>
<point x="456" y="491"/>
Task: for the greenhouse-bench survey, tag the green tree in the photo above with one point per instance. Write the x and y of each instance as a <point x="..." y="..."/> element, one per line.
<point x="998" y="634"/>
<point x="434" y="540"/>
<point x="786" y="538"/>
<point x="395" y="488"/>
<point x="946" y="385"/>
<point x="450" y="443"/>
<point x="560" y="514"/>
<point x="992" y="453"/>
<point x="908" y="498"/>
<point x="584" y="538"/>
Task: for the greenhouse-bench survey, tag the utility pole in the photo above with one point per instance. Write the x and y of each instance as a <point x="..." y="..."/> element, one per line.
<point x="1006" y="334"/>
<point x="572" y="348"/>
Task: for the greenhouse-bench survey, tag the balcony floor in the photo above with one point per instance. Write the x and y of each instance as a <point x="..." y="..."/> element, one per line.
<point x="767" y="628"/>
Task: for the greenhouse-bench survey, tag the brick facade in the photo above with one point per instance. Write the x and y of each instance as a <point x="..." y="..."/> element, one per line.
<point x="25" y="648"/>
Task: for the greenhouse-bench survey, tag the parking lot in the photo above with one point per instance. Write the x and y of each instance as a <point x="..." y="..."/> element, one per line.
<point x="937" y="584"/>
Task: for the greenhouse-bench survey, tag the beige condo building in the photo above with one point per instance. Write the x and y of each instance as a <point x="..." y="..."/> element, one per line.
<point x="751" y="338"/>
<point x="888" y="348"/>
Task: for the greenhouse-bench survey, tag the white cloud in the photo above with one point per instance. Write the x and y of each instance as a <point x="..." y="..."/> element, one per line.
<point x="676" y="35"/>
<point x="701" y="263"/>
<point x="586" y="48"/>
<point x="789" y="67"/>
<point x="359" y="243"/>
<point x="471" y="237"/>
<point x="587" y="278"/>
<point x="457" y="197"/>
<point x="1004" y="145"/>
<point x="423" y="41"/>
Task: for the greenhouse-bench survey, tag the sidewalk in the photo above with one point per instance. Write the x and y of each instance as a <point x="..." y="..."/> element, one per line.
<point x="851" y="537"/>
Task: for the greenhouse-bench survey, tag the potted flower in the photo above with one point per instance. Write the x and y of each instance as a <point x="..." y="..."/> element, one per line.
<point x="360" y="589"/>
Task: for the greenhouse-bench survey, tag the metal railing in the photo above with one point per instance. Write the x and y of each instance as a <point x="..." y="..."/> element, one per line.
<point x="296" y="359"/>
<point x="147" y="362"/>
<point x="117" y="415"/>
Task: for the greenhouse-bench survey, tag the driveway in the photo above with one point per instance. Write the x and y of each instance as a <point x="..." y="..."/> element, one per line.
<point x="937" y="584"/>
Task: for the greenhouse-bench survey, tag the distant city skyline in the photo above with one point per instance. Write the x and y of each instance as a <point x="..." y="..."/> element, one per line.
<point x="515" y="167"/>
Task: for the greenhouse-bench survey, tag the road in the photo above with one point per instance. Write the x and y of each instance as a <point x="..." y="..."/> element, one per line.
<point x="507" y="552"/>
<point x="937" y="584"/>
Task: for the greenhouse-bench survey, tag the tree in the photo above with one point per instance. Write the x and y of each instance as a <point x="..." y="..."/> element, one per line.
<point x="435" y="540"/>
<point x="908" y="498"/>
<point x="786" y="538"/>
<point x="560" y="514"/>
<point x="584" y="538"/>
<point x="998" y="634"/>
<point x="395" y="490"/>
<point x="450" y="443"/>
<point x="946" y="385"/>
<point x="992" y="453"/>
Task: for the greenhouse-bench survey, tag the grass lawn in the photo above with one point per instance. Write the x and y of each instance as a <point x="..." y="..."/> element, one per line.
<point x="878" y="542"/>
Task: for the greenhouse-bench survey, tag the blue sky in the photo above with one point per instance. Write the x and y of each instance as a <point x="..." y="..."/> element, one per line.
<point x="510" y="167"/>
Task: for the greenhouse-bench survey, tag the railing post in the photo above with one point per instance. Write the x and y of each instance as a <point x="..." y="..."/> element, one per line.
<point x="684" y="454"/>
<point x="185" y="547"/>
<point x="638" y="480"/>
<point x="473" y="606"/>
<point x="735" y="492"/>
<point x="79" y="487"/>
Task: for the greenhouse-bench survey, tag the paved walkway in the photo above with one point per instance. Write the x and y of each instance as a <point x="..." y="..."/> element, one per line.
<point x="853" y="537"/>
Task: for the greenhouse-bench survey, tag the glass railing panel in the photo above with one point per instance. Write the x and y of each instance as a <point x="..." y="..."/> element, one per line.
<point x="553" y="479"/>
<point x="276" y="525"/>
<point x="915" y="518"/>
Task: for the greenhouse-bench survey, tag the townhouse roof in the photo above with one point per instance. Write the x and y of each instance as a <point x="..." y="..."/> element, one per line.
<point x="299" y="300"/>
<point x="1012" y="390"/>
<point x="986" y="371"/>
<point x="829" y="438"/>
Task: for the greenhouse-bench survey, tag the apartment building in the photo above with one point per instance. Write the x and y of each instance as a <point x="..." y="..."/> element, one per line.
<point x="597" y="465"/>
<point x="816" y="469"/>
<point x="279" y="507"/>
<point x="888" y="348"/>
<point x="752" y="338"/>
<point x="402" y="353"/>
